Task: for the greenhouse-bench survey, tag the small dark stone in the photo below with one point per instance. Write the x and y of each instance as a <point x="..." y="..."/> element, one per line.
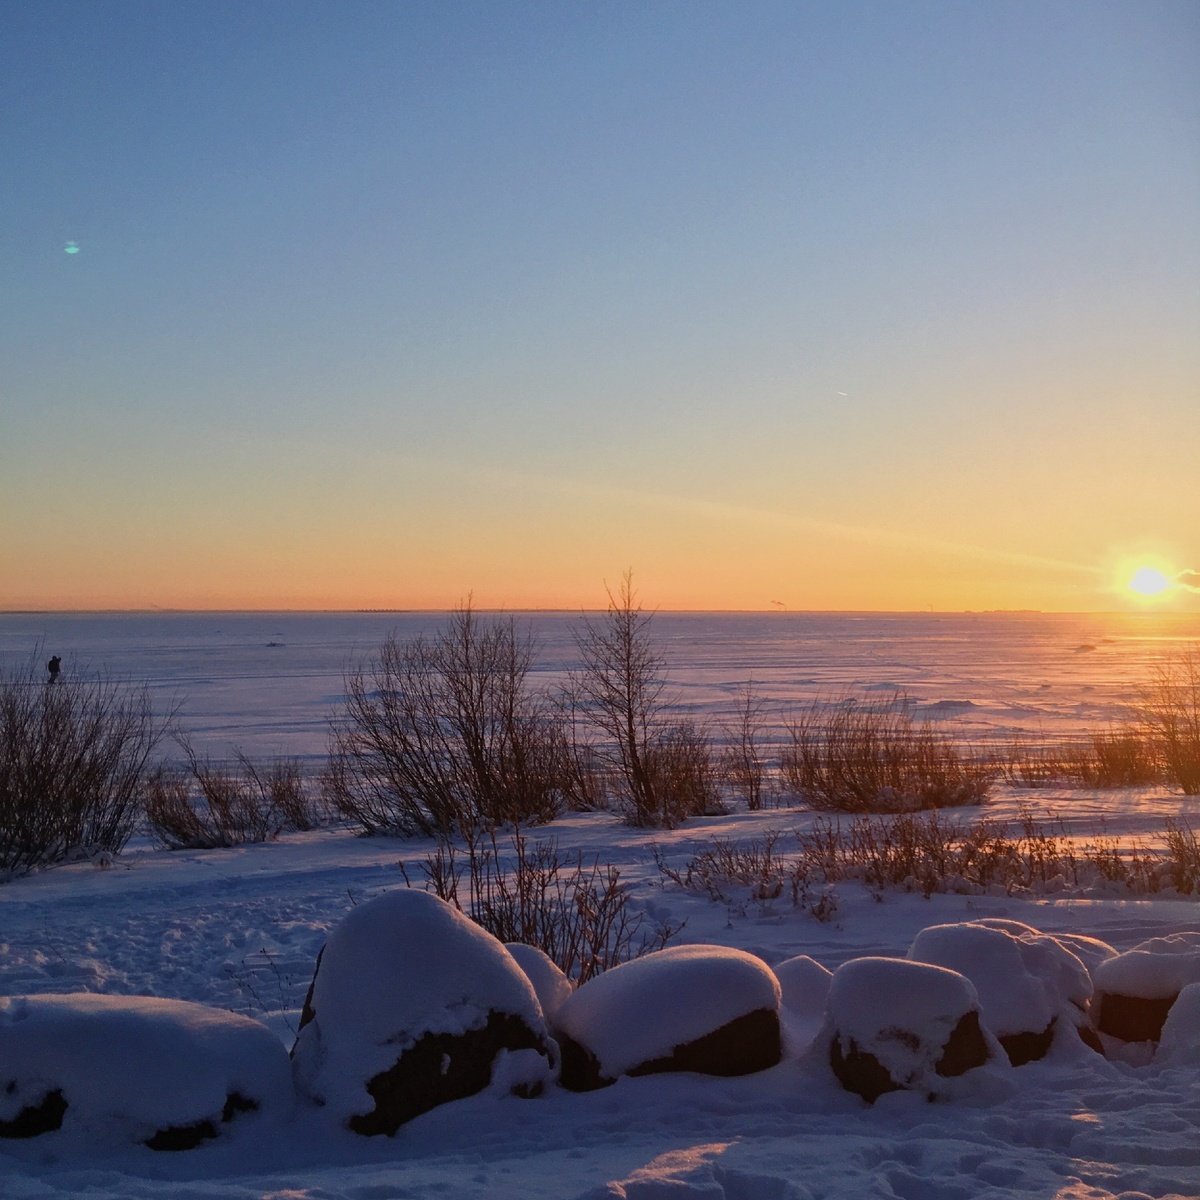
<point x="580" y="1067"/>
<point x="1026" y="1047"/>
<point x="36" y="1119"/>
<point x="182" y="1137"/>
<point x="1131" y="1018"/>
<point x="440" y="1067"/>
<point x="236" y="1103"/>
<point x="860" y="1071"/>
<point x="965" y="1049"/>
<point x="188" y="1137"/>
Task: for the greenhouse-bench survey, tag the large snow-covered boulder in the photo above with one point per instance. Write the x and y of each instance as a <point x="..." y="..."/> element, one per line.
<point x="687" y="1008"/>
<point x="1180" y="1043"/>
<point x="413" y="1005"/>
<point x="1135" y="990"/>
<point x="804" y="984"/>
<point x="167" y="1073"/>
<point x="549" y="982"/>
<point x="1029" y="984"/>
<point x="896" y="1024"/>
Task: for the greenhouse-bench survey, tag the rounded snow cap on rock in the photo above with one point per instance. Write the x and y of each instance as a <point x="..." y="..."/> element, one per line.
<point x="549" y="982"/>
<point x="1158" y="969"/>
<point x="645" y="1008"/>
<point x="804" y="984"/>
<point x="1024" y="979"/>
<point x="398" y="968"/>
<point x="151" y="1066"/>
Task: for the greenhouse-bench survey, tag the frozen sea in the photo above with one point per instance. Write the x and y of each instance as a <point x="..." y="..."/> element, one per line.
<point x="267" y="683"/>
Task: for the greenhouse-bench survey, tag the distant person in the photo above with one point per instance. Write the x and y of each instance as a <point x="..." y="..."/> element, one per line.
<point x="54" y="666"/>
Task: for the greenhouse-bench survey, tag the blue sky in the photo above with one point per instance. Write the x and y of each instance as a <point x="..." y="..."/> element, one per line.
<point x="867" y="305"/>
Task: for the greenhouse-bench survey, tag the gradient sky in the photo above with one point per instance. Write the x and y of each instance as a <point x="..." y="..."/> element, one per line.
<point x="846" y="305"/>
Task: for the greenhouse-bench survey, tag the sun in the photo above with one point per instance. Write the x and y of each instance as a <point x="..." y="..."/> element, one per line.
<point x="1149" y="581"/>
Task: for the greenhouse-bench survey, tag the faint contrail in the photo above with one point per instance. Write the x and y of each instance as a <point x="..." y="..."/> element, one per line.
<point x="861" y="533"/>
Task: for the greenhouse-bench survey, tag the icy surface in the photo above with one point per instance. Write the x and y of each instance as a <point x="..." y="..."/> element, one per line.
<point x="136" y="1063"/>
<point x="643" y="1009"/>
<point x="399" y="966"/>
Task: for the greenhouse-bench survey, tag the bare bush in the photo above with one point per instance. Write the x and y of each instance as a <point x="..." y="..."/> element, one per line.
<point x="1170" y="713"/>
<point x="661" y="767"/>
<point x="218" y="804"/>
<point x="443" y="734"/>
<point x="1122" y="756"/>
<point x="854" y="757"/>
<point x="575" y="911"/>
<point x="74" y="753"/>
<point x="743" y="761"/>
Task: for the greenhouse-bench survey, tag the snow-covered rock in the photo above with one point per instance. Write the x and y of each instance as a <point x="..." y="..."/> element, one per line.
<point x="687" y="1008"/>
<point x="412" y="1005"/>
<point x="894" y="1024"/>
<point x="1135" y="990"/>
<point x="549" y="982"/>
<point x="168" y="1073"/>
<point x="804" y="985"/>
<point x="1180" y="1044"/>
<point x="1029" y="984"/>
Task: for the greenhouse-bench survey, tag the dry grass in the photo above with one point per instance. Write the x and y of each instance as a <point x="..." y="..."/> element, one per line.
<point x="1170" y="714"/>
<point x="856" y="757"/>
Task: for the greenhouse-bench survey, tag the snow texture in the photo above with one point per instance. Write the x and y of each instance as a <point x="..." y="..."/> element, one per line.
<point x="1155" y="969"/>
<point x="1025" y="980"/>
<point x="804" y="985"/>
<point x="550" y="984"/>
<point x="643" y="1009"/>
<point x="136" y="1064"/>
<point x="402" y="965"/>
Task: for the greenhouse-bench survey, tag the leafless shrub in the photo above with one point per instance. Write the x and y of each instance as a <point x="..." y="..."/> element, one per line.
<point x="661" y="767"/>
<point x="854" y="757"/>
<point x="442" y="734"/>
<point x="1122" y="756"/>
<point x="928" y="853"/>
<point x="575" y="911"/>
<point x="74" y="753"/>
<point x="743" y="761"/>
<point x="1170" y="714"/>
<point x="218" y="804"/>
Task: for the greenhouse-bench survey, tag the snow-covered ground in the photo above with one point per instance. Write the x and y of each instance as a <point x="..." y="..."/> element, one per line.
<point x="240" y="929"/>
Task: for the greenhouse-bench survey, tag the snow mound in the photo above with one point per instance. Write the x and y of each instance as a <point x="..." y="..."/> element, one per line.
<point x="164" y="1072"/>
<point x="1158" y="969"/>
<point x="550" y="984"/>
<point x="1026" y="981"/>
<point x="804" y="985"/>
<point x="407" y="983"/>
<point x="642" y="1010"/>
<point x="894" y="1023"/>
<point x="1180" y="1044"/>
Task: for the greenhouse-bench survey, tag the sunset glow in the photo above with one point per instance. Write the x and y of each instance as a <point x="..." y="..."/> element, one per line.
<point x="819" y="306"/>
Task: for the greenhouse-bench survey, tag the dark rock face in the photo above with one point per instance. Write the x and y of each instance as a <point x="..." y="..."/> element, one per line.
<point x="1131" y="1018"/>
<point x="188" y="1137"/>
<point x="306" y="1013"/>
<point x="36" y="1119"/>
<point x="739" y="1047"/>
<point x="440" y="1067"/>
<point x="860" y="1071"/>
<point x="1027" y="1047"/>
